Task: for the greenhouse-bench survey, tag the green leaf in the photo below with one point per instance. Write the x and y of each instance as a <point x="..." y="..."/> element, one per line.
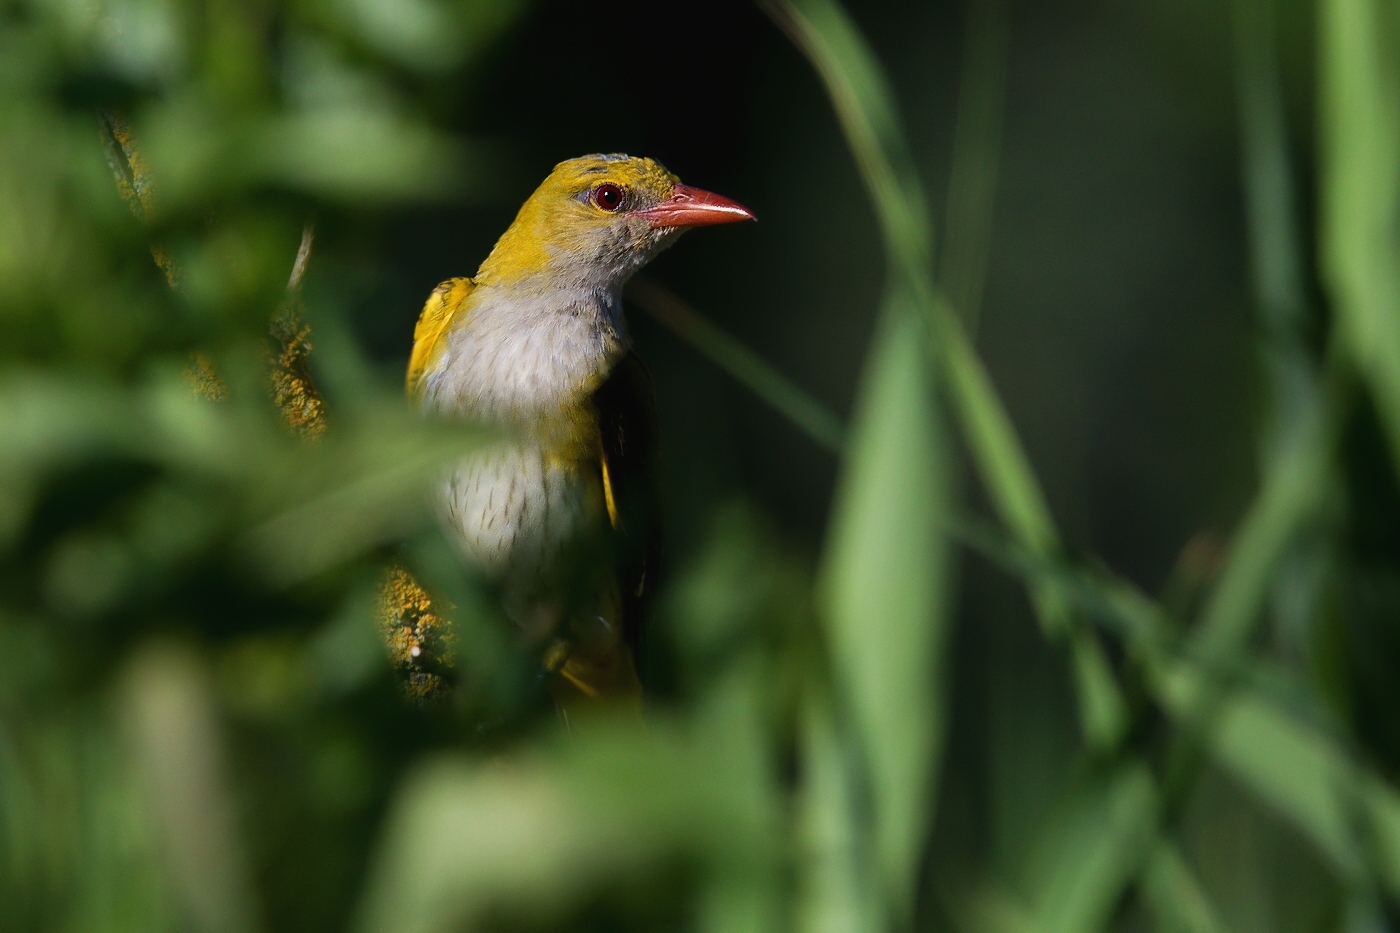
<point x="352" y="493"/>
<point x="739" y="361"/>
<point x="356" y="152"/>
<point x="529" y="837"/>
<point x="428" y="35"/>
<point x="463" y="839"/>
<point x="1103" y="713"/>
<point x="1087" y="857"/>
<point x="834" y="886"/>
<point x="1001" y="461"/>
<point x="1292" y="489"/>
<point x="1178" y="902"/>
<point x="1360" y="148"/>
<point x="884" y="578"/>
<point x="865" y="105"/>
<point x="863" y="101"/>
<point x="1297" y="771"/>
<point x="175" y="739"/>
<point x="1381" y="804"/>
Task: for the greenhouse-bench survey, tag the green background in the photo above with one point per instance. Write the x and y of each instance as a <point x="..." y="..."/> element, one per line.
<point x="1093" y="629"/>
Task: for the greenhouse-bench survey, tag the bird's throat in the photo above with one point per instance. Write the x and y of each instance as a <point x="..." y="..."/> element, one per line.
<point x="524" y="354"/>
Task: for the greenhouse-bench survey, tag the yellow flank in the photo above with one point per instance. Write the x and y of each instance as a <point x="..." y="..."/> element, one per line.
<point x="440" y="310"/>
<point x="608" y="493"/>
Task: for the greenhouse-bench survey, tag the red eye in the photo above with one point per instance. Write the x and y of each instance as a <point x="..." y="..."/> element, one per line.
<point x="608" y="196"/>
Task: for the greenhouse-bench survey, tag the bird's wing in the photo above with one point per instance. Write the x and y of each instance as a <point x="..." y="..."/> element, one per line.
<point x="443" y="307"/>
<point x="626" y="406"/>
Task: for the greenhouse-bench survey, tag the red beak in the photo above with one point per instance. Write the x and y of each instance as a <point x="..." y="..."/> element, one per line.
<point x="692" y="207"/>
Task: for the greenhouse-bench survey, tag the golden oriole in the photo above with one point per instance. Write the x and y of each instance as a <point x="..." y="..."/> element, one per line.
<point x="558" y="512"/>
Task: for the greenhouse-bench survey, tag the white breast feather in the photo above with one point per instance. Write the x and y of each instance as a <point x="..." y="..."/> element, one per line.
<point x="526" y="365"/>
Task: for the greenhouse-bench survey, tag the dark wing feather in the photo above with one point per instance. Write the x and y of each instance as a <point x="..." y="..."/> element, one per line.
<point x="626" y="406"/>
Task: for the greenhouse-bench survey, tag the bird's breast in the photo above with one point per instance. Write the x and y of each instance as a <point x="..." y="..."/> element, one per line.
<point x="530" y="366"/>
<point x="518" y="505"/>
<point x="524" y="358"/>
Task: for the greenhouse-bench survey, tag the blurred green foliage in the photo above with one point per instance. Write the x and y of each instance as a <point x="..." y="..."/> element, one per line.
<point x="199" y="729"/>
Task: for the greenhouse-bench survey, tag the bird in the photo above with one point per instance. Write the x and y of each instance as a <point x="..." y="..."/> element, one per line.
<point x="559" y="511"/>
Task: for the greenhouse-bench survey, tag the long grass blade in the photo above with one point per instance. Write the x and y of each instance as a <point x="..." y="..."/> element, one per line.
<point x="1293" y="488"/>
<point x="746" y="366"/>
<point x="1088" y="857"/>
<point x="174" y="735"/>
<point x="1283" y="308"/>
<point x="835" y="894"/>
<point x="858" y="90"/>
<point x="1360" y="146"/>
<point x="884" y="579"/>
<point x="1174" y="895"/>
<point x="1276" y="253"/>
<point x="885" y="556"/>
<point x="862" y="100"/>
<point x="972" y="178"/>
<point x="1300" y="773"/>
<point x="864" y="104"/>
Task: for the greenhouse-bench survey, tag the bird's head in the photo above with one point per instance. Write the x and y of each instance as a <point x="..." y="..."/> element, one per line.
<point x="596" y="220"/>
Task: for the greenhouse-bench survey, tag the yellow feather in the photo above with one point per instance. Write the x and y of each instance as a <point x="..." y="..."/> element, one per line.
<point x="441" y="309"/>
<point x="608" y="494"/>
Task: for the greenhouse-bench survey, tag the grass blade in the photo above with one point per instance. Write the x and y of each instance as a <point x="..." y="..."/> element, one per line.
<point x="1091" y="854"/>
<point x="884" y="579"/>
<point x="1295" y="770"/>
<point x="856" y="84"/>
<point x="746" y="366"/>
<point x="972" y="179"/>
<point x="1276" y="260"/>
<point x="175" y="739"/>
<point x="1294" y="487"/>
<point x="864" y="105"/>
<point x="1174" y="895"/>
<point x="1360" y="146"/>
<point x="834" y="894"/>
<point x="1381" y="804"/>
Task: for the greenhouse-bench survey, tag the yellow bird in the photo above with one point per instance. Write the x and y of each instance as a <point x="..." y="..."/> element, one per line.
<point x="557" y="514"/>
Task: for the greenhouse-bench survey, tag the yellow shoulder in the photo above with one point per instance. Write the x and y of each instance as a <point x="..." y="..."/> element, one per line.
<point x="442" y="308"/>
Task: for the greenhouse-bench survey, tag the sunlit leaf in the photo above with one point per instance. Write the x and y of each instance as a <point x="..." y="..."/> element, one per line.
<point x="835" y="885"/>
<point x="1360" y="85"/>
<point x="884" y="580"/>
<point x="356" y="152"/>
<point x="1298" y="772"/>
<point x="428" y="35"/>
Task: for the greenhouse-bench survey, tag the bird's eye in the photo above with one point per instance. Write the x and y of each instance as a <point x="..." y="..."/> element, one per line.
<point x="608" y="196"/>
